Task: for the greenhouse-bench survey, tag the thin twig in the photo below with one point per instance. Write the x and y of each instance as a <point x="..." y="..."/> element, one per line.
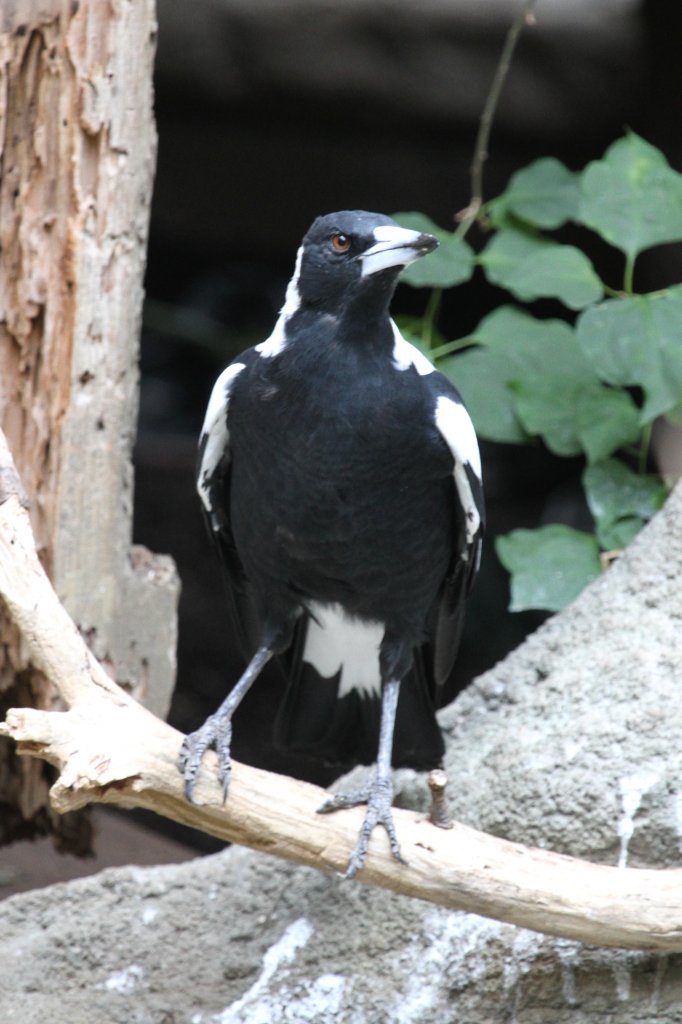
<point x="439" y="812"/>
<point x="467" y="216"/>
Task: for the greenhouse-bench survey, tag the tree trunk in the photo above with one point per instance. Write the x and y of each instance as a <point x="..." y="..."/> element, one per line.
<point x="77" y="143"/>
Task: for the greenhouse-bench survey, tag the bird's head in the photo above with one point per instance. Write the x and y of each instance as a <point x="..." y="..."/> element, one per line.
<point x="355" y="256"/>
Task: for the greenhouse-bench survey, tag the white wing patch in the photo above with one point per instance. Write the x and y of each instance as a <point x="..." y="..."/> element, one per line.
<point x="406" y="355"/>
<point x="334" y="642"/>
<point x="215" y="429"/>
<point x="276" y="343"/>
<point x="453" y="422"/>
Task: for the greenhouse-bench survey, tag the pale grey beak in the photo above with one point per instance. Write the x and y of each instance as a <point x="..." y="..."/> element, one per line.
<point x="395" y="247"/>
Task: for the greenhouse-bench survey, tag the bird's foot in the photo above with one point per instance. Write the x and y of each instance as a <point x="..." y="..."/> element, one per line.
<point x="216" y="732"/>
<point x="378" y="797"/>
<point x="341" y="801"/>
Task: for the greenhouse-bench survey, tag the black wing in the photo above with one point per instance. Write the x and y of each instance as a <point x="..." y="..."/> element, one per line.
<point x="447" y="615"/>
<point x="213" y="485"/>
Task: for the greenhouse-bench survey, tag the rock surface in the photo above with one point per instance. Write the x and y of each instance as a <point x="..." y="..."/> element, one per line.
<point x="572" y="742"/>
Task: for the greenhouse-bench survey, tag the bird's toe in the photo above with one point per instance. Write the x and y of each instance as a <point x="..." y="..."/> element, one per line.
<point x="341" y="801"/>
<point x="379" y="800"/>
<point x="216" y="732"/>
<point x="379" y="812"/>
<point x="223" y="742"/>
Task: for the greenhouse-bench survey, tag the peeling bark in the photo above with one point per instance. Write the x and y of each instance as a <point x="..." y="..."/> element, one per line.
<point x="77" y="152"/>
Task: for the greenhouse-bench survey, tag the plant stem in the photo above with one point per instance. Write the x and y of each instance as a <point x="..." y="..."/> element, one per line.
<point x="469" y="215"/>
<point x="429" y="318"/>
<point x="629" y="275"/>
<point x="644" y="445"/>
<point x="449" y="347"/>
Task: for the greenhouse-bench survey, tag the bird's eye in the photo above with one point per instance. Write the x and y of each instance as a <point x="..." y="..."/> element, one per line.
<point x="340" y="242"/>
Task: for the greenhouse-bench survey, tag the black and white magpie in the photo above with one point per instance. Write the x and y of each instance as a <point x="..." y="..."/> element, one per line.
<point x="341" y="479"/>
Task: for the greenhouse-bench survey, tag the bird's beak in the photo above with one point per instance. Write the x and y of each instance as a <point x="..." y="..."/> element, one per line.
<point x="395" y="247"/>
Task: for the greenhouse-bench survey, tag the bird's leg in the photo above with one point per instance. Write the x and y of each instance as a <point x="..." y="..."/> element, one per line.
<point x="217" y="729"/>
<point x="379" y="794"/>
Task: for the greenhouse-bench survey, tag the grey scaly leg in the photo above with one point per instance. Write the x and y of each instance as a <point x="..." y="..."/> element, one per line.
<point x="379" y="794"/>
<point x="217" y="729"/>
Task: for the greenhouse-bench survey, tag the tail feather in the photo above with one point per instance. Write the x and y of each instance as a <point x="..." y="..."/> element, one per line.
<point x="328" y="718"/>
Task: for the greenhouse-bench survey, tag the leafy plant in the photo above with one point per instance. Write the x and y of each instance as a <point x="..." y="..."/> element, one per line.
<point x="589" y="384"/>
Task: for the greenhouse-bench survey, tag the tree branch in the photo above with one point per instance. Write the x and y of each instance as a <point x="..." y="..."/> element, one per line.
<point x="468" y="215"/>
<point x="109" y="749"/>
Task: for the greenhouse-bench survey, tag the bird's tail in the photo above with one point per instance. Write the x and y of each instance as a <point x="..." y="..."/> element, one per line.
<point x="329" y="718"/>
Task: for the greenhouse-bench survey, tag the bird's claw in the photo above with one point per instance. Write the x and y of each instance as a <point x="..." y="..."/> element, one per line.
<point x="379" y="798"/>
<point x="216" y="732"/>
<point x="341" y="801"/>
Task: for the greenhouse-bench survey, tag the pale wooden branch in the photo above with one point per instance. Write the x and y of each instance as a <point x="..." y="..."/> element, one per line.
<point x="108" y="748"/>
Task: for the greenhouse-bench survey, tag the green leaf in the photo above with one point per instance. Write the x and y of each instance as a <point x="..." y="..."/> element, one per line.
<point x="509" y="341"/>
<point x="620" y="533"/>
<point x="545" y="194"/>
<point x="499" y="216"/>
<point x="549" y="566"/>
<point x="632" y="197"/>
<point x="561" y="272"/>
<point x="451" y="263"/>
<point x="621" y="500"/>
<point x="635" y="342"/>
<point x="533" y="268"/>
<point x="530" y="377"/>
<point x="606" y="420"/>
<point x="574" y="416"/>
<point x="482" y="377"/>
<point x="508" y="325"/>
<point x="507" y="249"/>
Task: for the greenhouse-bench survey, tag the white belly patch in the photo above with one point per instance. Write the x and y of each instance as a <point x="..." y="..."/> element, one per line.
<point x="334" y="642"/>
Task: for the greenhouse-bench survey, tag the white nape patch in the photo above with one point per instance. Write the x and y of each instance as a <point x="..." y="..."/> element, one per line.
<point x="215" y="429"/>
<point x="406" y="355"/>
<point x="257" y="1003"/>
<point x="395" y="247"/>
<point x="632" y="789"/>
<point x="334" y="642"/>
<point x="276" y="343"/>
<point x="453" y="422"/>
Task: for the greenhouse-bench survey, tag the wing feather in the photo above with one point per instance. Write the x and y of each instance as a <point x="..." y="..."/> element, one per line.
<point x="447" y="616"/>
<point x="213" y="486"/>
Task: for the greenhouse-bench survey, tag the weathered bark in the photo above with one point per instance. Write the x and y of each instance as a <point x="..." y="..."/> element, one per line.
<point x="108" y="748"/>
<point x="77" y="143"/>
